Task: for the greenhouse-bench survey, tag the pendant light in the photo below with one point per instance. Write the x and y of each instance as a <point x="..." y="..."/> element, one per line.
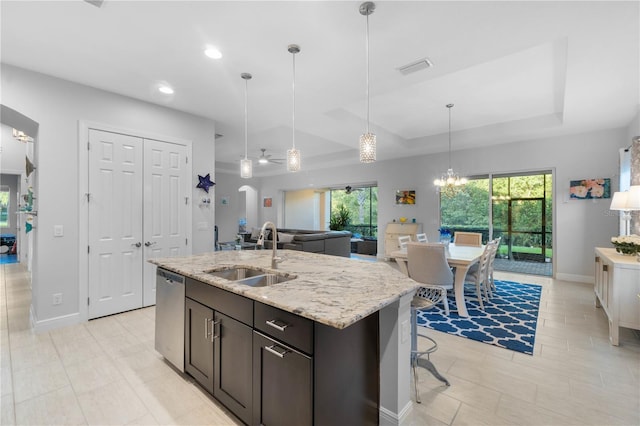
<point x="368" y="139"/>
<point x="450" y="182"/>
<point x="293" y="155"/>
<point x="246" y="165"/>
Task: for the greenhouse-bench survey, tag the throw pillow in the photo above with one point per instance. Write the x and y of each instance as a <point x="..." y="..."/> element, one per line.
<point x="285" y="238"/>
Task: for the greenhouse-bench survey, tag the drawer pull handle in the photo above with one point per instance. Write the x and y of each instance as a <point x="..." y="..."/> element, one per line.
<point x="278" y="325"/>
<point x="213" y="330"/>
<point x="206" y="329"/>
<point x="279" y="353"/>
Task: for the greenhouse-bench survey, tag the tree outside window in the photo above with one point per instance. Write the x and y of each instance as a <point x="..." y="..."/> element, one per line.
<point x="361" y="203"/>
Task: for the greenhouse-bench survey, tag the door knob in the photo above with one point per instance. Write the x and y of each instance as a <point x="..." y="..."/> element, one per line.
<point x="149" y="243"/>
<point x="138" y="244"/>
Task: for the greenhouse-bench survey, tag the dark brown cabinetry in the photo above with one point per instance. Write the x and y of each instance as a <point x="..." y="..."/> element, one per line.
<point x="233" y="366"/>
<point x="272" y="367"/>
<point x="340" y="368"/>
<point x="218" y="343"/>
<point x="283" y="384"/>
<point x="198" y="344"/>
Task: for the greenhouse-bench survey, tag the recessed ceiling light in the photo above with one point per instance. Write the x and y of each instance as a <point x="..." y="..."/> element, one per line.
<point x="166" y="90"/>
<point x="213" y="52"/>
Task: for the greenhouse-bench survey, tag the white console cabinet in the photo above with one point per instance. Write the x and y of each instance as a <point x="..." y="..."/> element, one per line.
<point x="395" y="230"/>
<point x="617" y="290"/>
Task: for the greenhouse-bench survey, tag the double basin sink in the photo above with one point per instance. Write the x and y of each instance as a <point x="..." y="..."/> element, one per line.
<point x="252" y="277"/>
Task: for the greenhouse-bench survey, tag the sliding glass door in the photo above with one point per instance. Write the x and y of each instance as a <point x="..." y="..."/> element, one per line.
<point x="515" y="207"/>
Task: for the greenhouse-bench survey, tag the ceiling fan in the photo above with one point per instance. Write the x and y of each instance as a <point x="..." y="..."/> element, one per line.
<point x="266" y="158"/>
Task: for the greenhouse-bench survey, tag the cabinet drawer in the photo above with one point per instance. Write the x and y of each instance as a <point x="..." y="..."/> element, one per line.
<point x="287" y="327"/>
<point x="231" y="304"/>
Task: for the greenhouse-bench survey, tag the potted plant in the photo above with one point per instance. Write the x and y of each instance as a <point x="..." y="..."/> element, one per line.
<point x="339" y="219"/>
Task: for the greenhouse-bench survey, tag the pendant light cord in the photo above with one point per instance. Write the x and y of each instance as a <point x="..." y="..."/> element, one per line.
<point x="246" y="115"/>
<point x="449" y="107"/>
<point x="293" y="125"/>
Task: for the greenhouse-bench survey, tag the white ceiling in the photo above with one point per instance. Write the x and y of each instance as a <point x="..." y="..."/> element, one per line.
<point x="515" y="70"/>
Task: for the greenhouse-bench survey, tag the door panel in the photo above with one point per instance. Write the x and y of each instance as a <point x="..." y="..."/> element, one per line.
<point x="282" y="383"/>
<point x="198" y="351"/>
<point x="115" y="223"/>
<point x="165" y="207"/>
<point x="233" y="363"/>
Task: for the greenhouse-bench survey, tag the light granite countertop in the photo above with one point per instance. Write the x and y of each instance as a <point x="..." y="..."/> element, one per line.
<point x="332" y="290"/>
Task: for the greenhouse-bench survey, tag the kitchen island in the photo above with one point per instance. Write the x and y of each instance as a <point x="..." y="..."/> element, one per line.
<point x="346" y="313"/>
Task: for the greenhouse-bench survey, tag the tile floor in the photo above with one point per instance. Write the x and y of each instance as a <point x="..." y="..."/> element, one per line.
<point x="107" y="372"/>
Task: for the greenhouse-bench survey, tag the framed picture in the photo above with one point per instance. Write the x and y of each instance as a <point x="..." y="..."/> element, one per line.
<point x="590" y="189"/>
<point x="406" y="196"/>
<point x="224" y="201"/>
<point x="267" y="202"/>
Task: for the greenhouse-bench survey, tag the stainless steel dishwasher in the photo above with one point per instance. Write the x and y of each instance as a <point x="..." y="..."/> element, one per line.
<point x="170" y="317"/>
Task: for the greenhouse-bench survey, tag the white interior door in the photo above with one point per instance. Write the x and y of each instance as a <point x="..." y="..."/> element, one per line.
<point x="166" y="207"/>
<point x="115" y="223"/>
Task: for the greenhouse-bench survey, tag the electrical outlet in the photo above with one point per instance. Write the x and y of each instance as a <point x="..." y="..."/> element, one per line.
<point x="57" y="299"/>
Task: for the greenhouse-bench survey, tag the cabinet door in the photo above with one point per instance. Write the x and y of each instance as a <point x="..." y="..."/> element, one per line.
<point x="233" y="362"/>
<point x="282" y="384"/>
<point x="198" y="345"/>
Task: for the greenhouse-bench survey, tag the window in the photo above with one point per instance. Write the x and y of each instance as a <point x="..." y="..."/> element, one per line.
<point x="516" y="207"/>
<point x="468" y="209"/>
<point x="4" y="206"/>
<point x="361" y="203"/>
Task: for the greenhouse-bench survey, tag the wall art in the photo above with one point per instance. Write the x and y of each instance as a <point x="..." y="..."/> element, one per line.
<point x="590" y="189"/>
<point x="405" y="196"/>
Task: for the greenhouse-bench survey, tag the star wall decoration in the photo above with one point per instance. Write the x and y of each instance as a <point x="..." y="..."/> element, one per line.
<point x="205" y="182"/>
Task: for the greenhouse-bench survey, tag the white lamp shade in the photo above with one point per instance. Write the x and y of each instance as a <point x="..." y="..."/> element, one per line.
<point x="619" y="201"/>
<point x="633" y="198"/>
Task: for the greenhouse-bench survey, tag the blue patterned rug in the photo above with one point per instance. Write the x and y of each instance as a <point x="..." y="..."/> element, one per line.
<point x="509" y="318"/>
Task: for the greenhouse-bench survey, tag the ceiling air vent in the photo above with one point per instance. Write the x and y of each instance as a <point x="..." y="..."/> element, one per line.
<point x="420" y="64"/>
<point x="96" y="3"/>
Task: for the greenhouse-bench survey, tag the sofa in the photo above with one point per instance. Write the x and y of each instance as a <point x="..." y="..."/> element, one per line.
<point x="335" y="243"/>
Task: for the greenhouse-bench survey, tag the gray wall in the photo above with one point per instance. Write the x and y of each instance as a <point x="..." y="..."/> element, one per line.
<point x="58" y="106"/>
<point x="579" y="225"/>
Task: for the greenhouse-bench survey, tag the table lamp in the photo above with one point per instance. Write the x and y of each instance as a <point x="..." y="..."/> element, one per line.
<point x="626" y="202"/>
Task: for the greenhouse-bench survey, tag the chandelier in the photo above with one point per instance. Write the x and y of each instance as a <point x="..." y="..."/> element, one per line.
<point x="450" y="182"/>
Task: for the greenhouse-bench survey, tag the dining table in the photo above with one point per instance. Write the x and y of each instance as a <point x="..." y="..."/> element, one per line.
<point x="460" y="257"/>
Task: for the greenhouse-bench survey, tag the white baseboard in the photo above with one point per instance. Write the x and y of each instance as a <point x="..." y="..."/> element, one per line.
<point x="389" y="418"/>
<point x="53" y="323"/>
<point x="575" y="278"/>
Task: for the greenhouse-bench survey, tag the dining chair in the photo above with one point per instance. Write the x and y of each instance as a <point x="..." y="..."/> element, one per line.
<point x="426" y="297"/>
<point x="478" y="276"/>
<point x="422" y="238"/>
<point x="467" y="238"/>
<point x="403" y="240"/>
<point x="427" y="264"/>
<point x="491" y="285"/>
